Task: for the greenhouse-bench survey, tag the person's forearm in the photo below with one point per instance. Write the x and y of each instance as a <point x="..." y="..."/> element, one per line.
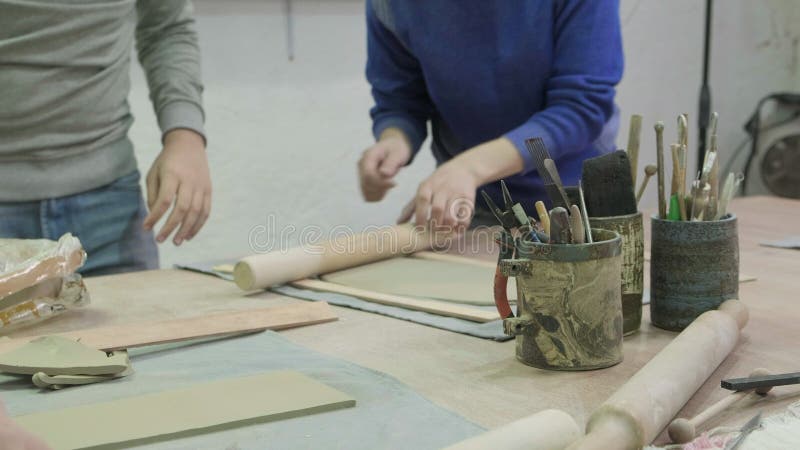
<point x="492" y="160"/>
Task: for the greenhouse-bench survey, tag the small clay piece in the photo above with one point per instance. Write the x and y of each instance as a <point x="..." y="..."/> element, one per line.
<point x="44" y="381"/>
<point x="56" y="355"/>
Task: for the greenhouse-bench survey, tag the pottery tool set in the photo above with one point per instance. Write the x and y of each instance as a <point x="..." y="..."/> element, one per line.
<point x="705" y="200"/>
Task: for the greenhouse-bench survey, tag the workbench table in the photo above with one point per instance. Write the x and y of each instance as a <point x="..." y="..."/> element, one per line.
<point x="481" y="379"/>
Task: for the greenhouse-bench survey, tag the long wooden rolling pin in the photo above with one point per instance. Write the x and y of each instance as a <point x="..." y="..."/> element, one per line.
<point x="643" y="406"/>
<point x="551" y="429"/>
<point x="278" y="267"/>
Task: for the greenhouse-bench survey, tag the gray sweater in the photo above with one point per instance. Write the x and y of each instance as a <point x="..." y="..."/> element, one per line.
<point x="64" y="83"/>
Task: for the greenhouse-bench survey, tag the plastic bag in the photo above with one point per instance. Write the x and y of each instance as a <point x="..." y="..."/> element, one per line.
<point x="38" y="280"/>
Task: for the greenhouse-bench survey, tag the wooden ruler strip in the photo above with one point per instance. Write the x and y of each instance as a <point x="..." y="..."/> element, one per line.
<point x="429" y="306"/>
<point x="118" y="337"/>
<point x="455" y="258"/>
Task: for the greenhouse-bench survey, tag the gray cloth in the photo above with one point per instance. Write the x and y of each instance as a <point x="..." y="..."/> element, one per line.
<point x="387" y="414"/>
<point x="64" y="83"/>
<point x="489" y="330"/>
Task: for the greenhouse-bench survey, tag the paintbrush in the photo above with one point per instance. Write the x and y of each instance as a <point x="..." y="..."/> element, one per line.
<point x="539" y="154"/>
<point x="576" y="225"/>
<point x="662" y="200"/>
<point x="560" y="232"/>
<point x="550" y="168"/>
<point x="649" y="171"/>
<point x="584" y="214"/>
<point x="607" y="184"/>
<point x="634" y="135"/>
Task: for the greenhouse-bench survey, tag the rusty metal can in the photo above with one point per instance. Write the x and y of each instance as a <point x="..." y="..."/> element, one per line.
<point x="569" y="307"/>
<point x="694" y="267"/>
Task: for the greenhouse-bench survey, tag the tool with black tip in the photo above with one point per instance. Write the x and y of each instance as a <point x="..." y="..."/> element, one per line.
<point x="740" y="384"/>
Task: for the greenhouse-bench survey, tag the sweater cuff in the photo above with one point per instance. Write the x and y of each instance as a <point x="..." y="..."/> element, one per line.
<point x="526" y="131"/>
<point x="181" y="114"/>
<point x="415" y="138"/>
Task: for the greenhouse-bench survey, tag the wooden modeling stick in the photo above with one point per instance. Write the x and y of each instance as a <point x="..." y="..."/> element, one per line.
<point x="649" y="171"/>
<point x="544" y="218"/>
<point x="682" y="430"/>
<point x="683" y="129"/>
<point x="278" y="267"/>
<point x="576" y="225"/>
<point x="662" y="200"/>
<point x="642" y="407"/>
<point x="634" y="135"/>
<point x="711" y="207"/>
<point x="682" y="181"/>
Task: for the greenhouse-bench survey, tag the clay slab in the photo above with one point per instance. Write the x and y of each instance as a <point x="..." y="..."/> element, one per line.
<point x="200" y="408"/>
<point x="56" y="355"/>
<point x="422" y="278"/>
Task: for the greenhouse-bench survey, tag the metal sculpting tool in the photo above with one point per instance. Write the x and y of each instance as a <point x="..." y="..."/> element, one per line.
<point x="539" y="153"/>
<point x="748" y="428"/>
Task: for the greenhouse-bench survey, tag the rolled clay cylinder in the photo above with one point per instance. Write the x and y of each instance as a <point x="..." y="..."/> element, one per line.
<point x="643" y="406"/>
<point x="277" y="267"/>
<point x="551" y="429"/>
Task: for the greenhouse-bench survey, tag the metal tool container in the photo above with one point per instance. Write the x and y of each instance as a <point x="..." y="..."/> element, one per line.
<point x="569" y="309"/>
<point x="694" y="267"/>
<point x="631" y="229"/>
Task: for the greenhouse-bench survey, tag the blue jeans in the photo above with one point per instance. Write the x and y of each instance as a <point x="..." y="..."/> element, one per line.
<point x="107" y="220"/>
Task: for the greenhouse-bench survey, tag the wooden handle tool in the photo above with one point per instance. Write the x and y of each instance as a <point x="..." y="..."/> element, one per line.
<point x="682" y="430"/>
<point x="576" y="225"/>
<point x="643" y="406"/>
<point x="560" y="232"/>
<point x="544" y="218"/>
<point x="649" y="171"/>
<point x="682" y="150"/>
<point x="634" y="137"/>
<point x="662" y="199"/>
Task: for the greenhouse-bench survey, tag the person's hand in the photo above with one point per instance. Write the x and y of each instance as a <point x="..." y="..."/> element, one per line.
<point x="446" y="199"/>
<point x="380" y="163"/>
<point x="14" y="437"/>
<point x="179" y="178"/>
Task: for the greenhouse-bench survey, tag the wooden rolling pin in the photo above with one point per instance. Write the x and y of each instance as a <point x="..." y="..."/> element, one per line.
<point x="550" y="429"/>
<point x="643" y="406"/>
<point x="278" y="267"/>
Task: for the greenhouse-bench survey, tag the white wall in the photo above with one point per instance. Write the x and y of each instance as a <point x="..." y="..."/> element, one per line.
<point x="285" y="136"/>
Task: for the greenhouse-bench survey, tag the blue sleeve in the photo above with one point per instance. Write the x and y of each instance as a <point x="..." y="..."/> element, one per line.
<point x="398" y="86"/>
<point x="588" y="64"/>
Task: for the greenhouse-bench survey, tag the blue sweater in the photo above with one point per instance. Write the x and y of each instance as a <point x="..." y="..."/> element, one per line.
<point x="479" y="69"/>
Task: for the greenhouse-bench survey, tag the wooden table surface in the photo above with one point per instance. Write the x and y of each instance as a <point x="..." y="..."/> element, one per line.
<point x="481" y="379"/>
